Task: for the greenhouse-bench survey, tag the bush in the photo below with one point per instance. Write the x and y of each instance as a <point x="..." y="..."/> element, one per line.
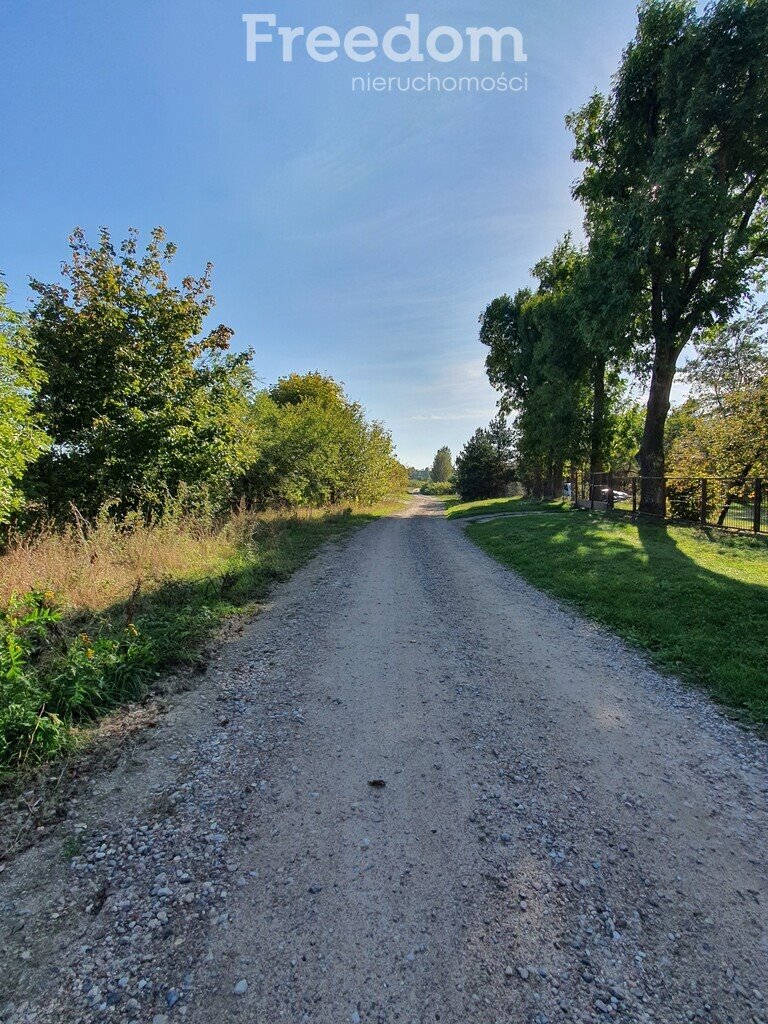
<point x="438" y="488"/>
<point x="684" y="497"/>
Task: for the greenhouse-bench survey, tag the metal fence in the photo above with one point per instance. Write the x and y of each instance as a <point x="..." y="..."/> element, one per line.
<point x="728" y="503"/>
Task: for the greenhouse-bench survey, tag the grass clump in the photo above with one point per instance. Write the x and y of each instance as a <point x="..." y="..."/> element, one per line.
<point x="90" y="615"/>
<point x="697" y="601"/>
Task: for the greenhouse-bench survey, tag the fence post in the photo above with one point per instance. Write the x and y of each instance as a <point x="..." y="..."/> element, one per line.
<point x="663" y="497"/>
<point x="591" y="492"/>
<point x="634" y="495"/>
<point x="703" y="509"/>
<point x="757" y="522"/>
<point x="610" y="490"/>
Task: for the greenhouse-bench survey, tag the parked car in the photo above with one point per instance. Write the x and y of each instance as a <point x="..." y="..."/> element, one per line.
<point x="618" y="495"/>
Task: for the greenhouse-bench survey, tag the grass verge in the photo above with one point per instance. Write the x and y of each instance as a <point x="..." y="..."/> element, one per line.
<point x="457" y="509"/>
<point x="92" y="616"/>
<point x="696" y="601"/>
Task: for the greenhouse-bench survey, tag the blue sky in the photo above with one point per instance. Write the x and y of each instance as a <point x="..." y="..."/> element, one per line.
<point x="360" y="235"/>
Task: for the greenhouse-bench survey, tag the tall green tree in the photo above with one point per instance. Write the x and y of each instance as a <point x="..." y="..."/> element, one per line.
<point x="442" y="466"/>
<point x="485" y="465"/>
<point x="676" y="175"/>
<point x="141" y="404"/>
<point x="22" y="439"/>
<point x="541" y="362"/>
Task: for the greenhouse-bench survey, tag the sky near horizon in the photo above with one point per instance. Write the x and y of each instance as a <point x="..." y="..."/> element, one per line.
<point x="360" y="234"/>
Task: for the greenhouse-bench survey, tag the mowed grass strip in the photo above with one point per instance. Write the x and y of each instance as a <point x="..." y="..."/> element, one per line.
<point x="455" y="508"/>
<point x="698" y="602"/>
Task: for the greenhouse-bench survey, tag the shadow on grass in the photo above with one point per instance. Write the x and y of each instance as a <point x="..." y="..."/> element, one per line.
<point x="698" y="604"/>
<point x="458" y="509"/>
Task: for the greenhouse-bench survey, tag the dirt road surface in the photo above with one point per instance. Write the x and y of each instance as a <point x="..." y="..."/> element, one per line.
<point x="563" y="835"/>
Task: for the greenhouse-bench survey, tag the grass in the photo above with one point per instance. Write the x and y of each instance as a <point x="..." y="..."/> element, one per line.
<point x="456" y="509"/>
<point x="107" y="609"/>
<point x="696" y="601"/>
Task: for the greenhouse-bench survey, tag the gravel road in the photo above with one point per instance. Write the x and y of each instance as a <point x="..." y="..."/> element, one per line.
<point x="562" y="835"/>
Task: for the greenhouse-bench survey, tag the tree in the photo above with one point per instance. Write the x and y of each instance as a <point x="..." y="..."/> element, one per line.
<point x="22" y="439"/>
<point x="722" y="430"/>
<point x="730" y="358"/>
<point x="539" y="360"/>
<point x="677" y="171"/>
<point x="315" y="447"/>
<point x="142" y="406"/>
<point x="442" y="466"/>
<point x="484" y="467"/>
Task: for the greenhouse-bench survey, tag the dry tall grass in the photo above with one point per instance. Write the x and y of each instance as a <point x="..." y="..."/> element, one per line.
<point x="91" y="567"/>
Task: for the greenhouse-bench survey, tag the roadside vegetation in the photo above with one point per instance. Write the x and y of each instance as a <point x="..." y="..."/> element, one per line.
<point x="457" y="509"/>
<point x="673" y="184"/>
<point x="436" y="489"/>
<point x="697" y="602"/>
<point x="148" y="486"/>
<point x="93" y="613"/>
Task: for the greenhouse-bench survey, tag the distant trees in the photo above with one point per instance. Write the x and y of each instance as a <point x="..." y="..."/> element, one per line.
<point x="442" y="466"/>
<point x="675" y="196"/>
<point x="22" y="439"/>
<point x="485" y="465"/>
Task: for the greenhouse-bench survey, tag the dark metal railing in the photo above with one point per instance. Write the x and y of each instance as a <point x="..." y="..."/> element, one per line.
<point x="728" y="503"/>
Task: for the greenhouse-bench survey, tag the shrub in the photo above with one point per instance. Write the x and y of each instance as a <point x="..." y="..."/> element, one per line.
<point x="438" y="488"/>
<point x="684" y="497"/>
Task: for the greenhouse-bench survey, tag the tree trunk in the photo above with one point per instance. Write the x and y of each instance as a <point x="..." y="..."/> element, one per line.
<point x="557" y="480"/>
<point x="597" y="432"/>
<point x="652" y="500"/>
<point x="550" y="482"/>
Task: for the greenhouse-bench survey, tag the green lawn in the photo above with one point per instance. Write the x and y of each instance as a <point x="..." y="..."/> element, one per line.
<point x="456" y="509"/>
<point x="697" y="602"/>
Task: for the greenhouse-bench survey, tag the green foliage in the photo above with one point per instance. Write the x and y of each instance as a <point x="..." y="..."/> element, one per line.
<point x="22" y="439"/>
<point x="697" y="603"/>
<point x="723" y="429"/>
<point x="541" y="360"/>
<point x="139" y="404"/>
<point x="30" y="731"/>
<point x="485" y="465"/>
<point x="437" y="488"/>
<point x="676" y="180"/>
<point x="315" y="447"/>
<point x="442" y="466"/>
<point x="684" y="499"/>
